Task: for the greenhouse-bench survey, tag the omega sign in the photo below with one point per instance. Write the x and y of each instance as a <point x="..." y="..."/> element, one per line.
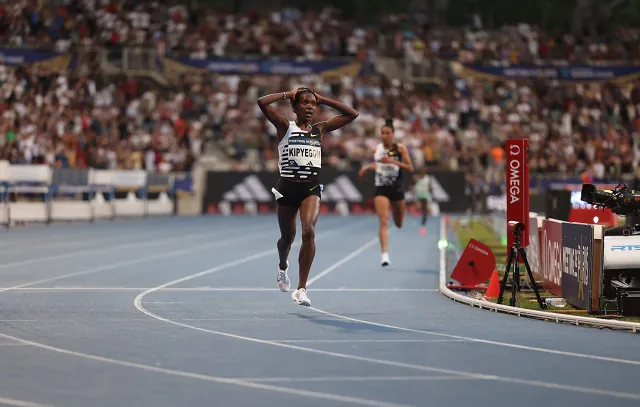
<point x="518" y="186"/>
<point x="515" y="168"/>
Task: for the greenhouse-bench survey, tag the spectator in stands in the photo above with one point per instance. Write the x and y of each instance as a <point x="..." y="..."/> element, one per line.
<point x="84" y="119"/>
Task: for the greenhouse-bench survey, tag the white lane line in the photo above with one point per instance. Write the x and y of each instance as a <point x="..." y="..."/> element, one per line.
<point x="139" y="260"/>
<point x="341" y="379"/>
<point x="394" y="363"/>
<point x="367" y="340"/>
<point x="466" y="338"/>
<point x="21" y="403"/>
<point x="125" y="246"/>
<point x="342" y="261"/>
<point x="197" y="376"/>
<point x="221" y="289"/>
<point x="230" y="264"/>
<point x="237" y="382"/>
<point x="484" y="341"/>
<point x="94" y="239"/>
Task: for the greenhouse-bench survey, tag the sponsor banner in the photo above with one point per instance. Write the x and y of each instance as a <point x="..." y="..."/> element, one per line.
<point x="183" y="184"/>
<point x="533" y="250"/>
<point x="573" y="73"/>
<point x="577" y="264"/>
<point x="551" y="256"/>
<point x="338" y="187"/>
<point x="53" y="60"/>
<point x="264" y="66"/>
<point x="517" y="187"/>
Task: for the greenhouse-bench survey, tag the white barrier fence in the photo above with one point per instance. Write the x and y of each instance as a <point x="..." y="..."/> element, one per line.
<point x="92" y="198"/>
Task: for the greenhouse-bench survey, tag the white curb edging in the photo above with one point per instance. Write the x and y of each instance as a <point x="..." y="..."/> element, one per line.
<point x="522" y="312"/>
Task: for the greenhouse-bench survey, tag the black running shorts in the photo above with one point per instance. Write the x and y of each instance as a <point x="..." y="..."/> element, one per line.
<point x="394" y="194"/>
<point x="289" y="193"/>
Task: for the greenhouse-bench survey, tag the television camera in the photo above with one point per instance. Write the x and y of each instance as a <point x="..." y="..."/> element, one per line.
<point x="621" y="251"/>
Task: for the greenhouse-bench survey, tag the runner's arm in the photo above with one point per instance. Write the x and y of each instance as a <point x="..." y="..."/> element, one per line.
<point x="368" y="167"/>
<point x="406" y="163"/>
<point x="276" y="118"/>
<point x="348" y="115"/>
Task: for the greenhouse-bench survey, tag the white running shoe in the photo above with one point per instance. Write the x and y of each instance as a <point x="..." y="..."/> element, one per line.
<point x="385" y="259"/>
<point x="283" y="279"/>
<point x="300" y="297"/>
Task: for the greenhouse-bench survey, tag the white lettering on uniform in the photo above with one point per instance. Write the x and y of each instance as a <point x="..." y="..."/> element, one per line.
<point x="304" y="152"/>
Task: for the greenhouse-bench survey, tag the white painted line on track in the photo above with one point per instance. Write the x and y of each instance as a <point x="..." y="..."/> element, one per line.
<point x="394" y="363"/>
<point x="21" y="403"/>
<point x="203" y="377"/>
<point x="163" y="255"/>
<point x="129" y="245"/>
<point x="95" y="239"/>
<point x="222" y="380"/>
<point x="368" y="340"/>
<point x="466" y="338"/>
<point x="214" y="289"/>
<point x="342" y="261"/>
<point x="341" y="379"/>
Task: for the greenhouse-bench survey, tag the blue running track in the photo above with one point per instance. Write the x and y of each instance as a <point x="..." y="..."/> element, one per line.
<point x="185" y="312"/>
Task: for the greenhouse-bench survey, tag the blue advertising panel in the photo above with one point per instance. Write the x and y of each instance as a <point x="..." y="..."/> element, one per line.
<point x="20" y="56"/>
<point x="576" y="73"/>
<point x="265" y="66"/>
<point x="577" y="264"/>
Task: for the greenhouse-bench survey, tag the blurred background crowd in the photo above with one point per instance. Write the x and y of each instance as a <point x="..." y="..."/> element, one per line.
<point x="449" y="119"/>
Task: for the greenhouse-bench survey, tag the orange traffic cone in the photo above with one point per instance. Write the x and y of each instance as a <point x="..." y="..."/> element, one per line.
<point x="494" y="286"/>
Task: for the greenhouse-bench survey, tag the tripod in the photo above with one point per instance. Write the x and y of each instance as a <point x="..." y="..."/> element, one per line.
<point x="514" y="253"/>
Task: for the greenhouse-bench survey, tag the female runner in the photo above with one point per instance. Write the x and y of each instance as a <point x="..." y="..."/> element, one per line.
<point x="300" y="153"/>
<point x="390" y="160"/>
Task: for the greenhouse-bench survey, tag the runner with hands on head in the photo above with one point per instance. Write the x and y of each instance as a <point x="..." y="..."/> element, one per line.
<point x="300" y="163"/>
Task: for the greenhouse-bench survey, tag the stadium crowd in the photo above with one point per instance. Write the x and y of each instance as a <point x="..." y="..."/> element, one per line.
<point x="184" y="28"/>
<point x="71" y="120"/>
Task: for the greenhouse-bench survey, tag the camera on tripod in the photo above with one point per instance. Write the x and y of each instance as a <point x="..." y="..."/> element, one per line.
<point x="518" y="227"/>
<point x="517" y="252"/>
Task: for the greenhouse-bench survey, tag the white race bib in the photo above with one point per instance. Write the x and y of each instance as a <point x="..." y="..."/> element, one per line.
<point x="305" y="156"/>
<point x="388" y="170"/>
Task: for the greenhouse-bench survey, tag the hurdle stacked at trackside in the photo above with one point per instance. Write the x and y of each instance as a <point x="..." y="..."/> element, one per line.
<point x="40" y="193"/>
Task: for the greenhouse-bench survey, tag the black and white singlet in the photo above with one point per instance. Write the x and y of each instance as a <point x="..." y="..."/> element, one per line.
<point x="300" y="154"/>
<point x="388" y="175"/>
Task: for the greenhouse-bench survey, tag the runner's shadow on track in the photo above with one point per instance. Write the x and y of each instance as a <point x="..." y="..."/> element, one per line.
<point x="344" y="326"/>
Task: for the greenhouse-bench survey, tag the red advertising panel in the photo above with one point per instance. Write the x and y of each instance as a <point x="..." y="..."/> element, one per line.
<point x="518" y="187"/>
<point x="551" y="256"/>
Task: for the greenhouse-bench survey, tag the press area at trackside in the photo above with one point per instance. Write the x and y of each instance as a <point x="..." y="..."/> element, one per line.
<point x="593" y="271"/>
